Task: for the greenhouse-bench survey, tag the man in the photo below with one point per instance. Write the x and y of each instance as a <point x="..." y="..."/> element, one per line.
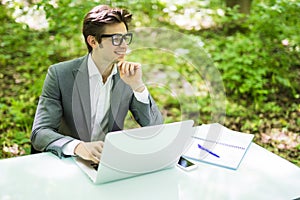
<point x="85" y="98"/>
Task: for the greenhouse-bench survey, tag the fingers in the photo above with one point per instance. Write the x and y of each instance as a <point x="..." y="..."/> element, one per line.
<point x="95" y="159"/>
<point x="96" y="150"/>
<point x="90" y="150"/>
<point x="131" y="74"/>
<point x="88" y="153"/>
<point x="95" y="156"/>
<point x="128" y="68"/>
<point x="131" y="70"/>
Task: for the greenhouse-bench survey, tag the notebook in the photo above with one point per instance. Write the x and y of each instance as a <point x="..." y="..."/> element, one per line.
<point x="218" y="145"/>
<point x="139" y="151"/>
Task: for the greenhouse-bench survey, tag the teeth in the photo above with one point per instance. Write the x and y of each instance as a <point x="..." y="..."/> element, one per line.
<point x="120" y="52"/>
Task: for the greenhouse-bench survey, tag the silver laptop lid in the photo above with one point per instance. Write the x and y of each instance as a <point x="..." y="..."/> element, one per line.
<point x="147" y="149"/>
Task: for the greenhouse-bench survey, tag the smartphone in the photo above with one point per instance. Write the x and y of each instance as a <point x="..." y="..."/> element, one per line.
<point x="186" y="164"/>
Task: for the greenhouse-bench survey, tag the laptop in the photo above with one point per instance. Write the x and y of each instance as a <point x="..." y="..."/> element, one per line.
<point x="134" y="152"/>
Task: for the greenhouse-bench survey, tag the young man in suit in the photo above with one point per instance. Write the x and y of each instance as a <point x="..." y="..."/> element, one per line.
<point x="85" y="98"/>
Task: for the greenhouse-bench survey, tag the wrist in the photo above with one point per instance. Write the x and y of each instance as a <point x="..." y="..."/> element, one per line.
<point x="138" y="87"/>
<point x="68" y="149"/>
<point x="77" y="148"/>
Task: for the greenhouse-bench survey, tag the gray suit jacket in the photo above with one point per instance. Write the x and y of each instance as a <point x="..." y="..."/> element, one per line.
<point x="64" y="109"/>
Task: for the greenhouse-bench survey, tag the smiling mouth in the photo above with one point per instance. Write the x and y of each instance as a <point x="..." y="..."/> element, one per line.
<point x="120" y="53"/>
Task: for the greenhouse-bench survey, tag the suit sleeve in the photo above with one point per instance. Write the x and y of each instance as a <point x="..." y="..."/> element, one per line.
<point x="45" y="136"/>
<point x="146" y="114"/>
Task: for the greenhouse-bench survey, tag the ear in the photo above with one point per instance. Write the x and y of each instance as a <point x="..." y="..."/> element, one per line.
<point x="92" y="41"/>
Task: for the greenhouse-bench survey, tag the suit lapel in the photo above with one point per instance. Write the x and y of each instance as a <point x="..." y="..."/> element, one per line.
<point x="81" y="92"/>
<point x="115" y="100"/>
<point x="81" y="99"/>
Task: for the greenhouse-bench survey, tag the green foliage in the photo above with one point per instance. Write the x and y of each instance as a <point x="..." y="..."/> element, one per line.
<point x="257" y="55"/>
<point x="259" y="52"/>
<point x="17" y="106"/>
<point x="259" y="58"/>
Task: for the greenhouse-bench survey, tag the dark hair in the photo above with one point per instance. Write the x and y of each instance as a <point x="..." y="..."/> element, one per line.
<point x="95" y="20"/>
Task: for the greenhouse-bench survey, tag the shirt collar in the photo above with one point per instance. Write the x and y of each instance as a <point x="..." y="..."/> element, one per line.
<point x="92" y="68"/>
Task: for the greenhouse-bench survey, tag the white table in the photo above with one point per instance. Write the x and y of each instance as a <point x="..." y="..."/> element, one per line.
<point x="261" y="175"/>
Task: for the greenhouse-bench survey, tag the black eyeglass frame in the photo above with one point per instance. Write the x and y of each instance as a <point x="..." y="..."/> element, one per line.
<point x="119" y="35"/>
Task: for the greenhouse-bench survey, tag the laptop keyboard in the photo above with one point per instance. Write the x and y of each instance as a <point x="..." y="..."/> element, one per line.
<point x="95" y="166"/>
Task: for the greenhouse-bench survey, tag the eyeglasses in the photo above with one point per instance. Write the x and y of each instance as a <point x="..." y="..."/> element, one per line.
<point x="117" y="39"/>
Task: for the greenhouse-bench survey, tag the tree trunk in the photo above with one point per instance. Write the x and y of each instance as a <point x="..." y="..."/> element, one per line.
<point x="244" y="5"/>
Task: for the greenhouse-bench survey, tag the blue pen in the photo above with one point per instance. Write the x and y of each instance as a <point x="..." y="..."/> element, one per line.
<point x="207" y="150"/>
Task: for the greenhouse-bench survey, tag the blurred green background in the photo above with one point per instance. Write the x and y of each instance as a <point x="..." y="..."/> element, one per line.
<point x="255" y="46"/>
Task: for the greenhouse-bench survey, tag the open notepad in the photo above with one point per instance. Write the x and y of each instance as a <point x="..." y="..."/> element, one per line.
<point x="218" y="145"/>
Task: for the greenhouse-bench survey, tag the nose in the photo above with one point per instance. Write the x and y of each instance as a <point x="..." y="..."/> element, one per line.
<point x="123" y="43"/>
<point x="123" y="46"/>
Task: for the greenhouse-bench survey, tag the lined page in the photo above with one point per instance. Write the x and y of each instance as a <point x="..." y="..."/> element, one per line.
<point x="221" y="146"/>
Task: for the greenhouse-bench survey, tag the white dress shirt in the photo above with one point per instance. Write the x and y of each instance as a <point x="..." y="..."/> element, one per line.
<point x="100" y="103"/>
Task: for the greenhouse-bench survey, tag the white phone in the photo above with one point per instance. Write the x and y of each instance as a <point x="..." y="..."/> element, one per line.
<point x="186" y="164"/>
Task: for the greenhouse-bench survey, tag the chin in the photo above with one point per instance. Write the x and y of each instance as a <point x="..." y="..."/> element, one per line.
<point x="121" y="58"/>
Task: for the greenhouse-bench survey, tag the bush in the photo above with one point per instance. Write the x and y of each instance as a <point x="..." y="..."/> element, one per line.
<point x="259" y="57"/>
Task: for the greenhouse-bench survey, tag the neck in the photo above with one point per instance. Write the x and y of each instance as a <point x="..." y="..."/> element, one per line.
<point x="103" y="67"/>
